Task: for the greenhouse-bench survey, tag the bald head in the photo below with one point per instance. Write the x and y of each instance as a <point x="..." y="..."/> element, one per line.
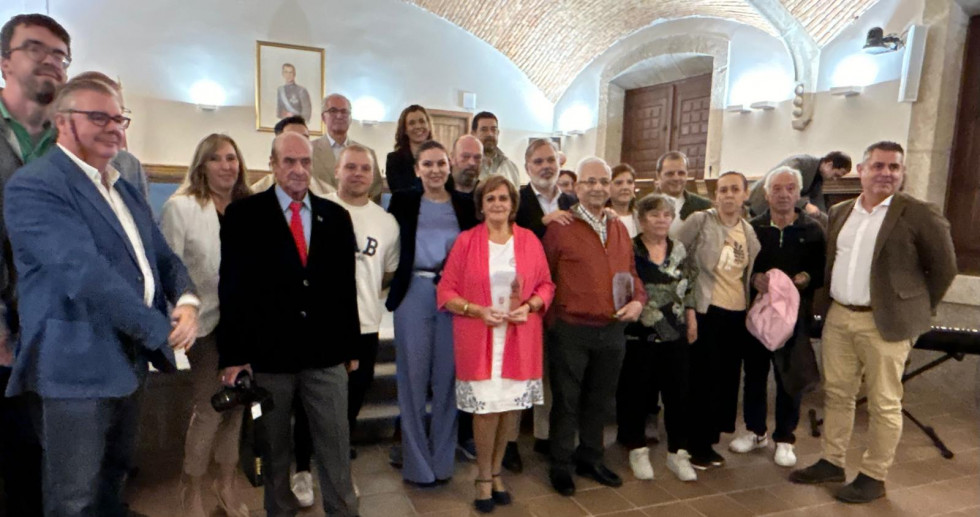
<point x="466" y="160"/>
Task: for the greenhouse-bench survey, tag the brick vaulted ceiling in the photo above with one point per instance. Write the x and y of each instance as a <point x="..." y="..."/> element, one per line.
<point x="552" y="40"/>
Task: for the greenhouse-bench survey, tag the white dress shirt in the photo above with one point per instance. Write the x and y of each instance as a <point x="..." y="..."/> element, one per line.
<point x="336" y="146"/>
<point x="193" y="233"/>
<point x="125" y="218"/>
<point x="547" y="205"/>
<point x="850" y="281"/>
<point x="675" y="225"/>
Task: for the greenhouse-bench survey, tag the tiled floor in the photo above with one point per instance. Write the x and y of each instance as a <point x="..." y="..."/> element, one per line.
<point x="921" y="483"/>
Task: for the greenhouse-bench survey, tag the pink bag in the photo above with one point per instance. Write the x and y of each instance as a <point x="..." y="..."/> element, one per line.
<point x="772" y="317"/>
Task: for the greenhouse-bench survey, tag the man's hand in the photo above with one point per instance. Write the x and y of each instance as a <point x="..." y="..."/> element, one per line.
<point x="630" y="312"/>
<point x="352" y="365"/>
<point x="6" y="349"/>
<point x="229" y="374"/>
<point x="562" y="217"/>
<point x="184" y="323"/>
<point x="760" y="281"/>
<point x="811" y="209"/>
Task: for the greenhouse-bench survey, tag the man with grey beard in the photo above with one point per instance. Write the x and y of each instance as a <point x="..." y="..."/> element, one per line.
<point x="466" y="160"/>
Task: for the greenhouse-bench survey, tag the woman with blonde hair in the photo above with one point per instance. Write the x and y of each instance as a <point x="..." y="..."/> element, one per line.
<point x="191" y="223"/>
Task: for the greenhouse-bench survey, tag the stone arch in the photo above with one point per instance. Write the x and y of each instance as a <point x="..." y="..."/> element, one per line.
<point x="609" y="134"/>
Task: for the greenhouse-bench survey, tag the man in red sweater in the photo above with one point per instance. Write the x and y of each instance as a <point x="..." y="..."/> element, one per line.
<point x="597" y="294"/>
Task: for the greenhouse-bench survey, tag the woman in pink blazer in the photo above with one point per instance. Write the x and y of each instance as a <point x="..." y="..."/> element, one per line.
<point x="497" y="284"/>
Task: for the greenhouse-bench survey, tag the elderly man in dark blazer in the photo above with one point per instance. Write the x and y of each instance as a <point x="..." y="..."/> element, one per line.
<point x="890" y="260"/>
<point x="296" y="325"/>
<point x="95" y="279"/>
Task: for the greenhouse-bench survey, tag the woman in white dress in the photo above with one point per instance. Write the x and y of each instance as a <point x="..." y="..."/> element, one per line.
<point x="497" y="284"/>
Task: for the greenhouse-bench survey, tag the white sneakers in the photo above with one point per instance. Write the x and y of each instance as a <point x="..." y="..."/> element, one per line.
<point x="302" y="486"/>
<point x="748" y="442"/>
<point x="680" y="464"/>
<point x="785" y="456"/>
<point x="640" y="463"/>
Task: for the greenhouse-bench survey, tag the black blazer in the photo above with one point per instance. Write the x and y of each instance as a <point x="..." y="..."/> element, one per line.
<point x="400" y="172"/>
<point x="529" y="213"/>
<point x="404" y="206"/>
<point x="694" y="203"/>
<point x="275" y="314"/>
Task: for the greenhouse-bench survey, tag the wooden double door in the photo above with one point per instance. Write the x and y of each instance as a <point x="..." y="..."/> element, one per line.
<point x="665" y="117"/>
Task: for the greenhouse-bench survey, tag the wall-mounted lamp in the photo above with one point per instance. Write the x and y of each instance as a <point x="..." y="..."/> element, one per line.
<point x="368" y="110"/>
<point x="737" y="108"/>
<point x="207" y="95"/>
<point x="846" y="91"/>
<point x="763" y="105"/>
<point x="878" y="43"/>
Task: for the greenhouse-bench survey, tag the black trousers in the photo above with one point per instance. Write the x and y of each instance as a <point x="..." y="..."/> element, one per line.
<point x="20" y="451"/>
<point x="666" y="365"/>
<point x="358" y="383"/>
<point x="757" y="360"/>
<point x="716" y="369"/>
<point x="585" y="363"/>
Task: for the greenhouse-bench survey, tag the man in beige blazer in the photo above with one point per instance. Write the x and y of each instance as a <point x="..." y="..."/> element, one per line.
<point x="890" y="260"/>
<point x="336" y="114"/>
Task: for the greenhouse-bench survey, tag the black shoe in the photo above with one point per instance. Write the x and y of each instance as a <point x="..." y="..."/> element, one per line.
<point x="422" y="484"/>
<point x="395" y="456"/>
<point x="706" y="459"/>
<point x="501" y="497"/>
<point x="822" y="471"/>
<point x="484" y="505"/>
<point x="468" y="449"/>
<point x="863" y="489"/>
<point x="542" y="446"/>
<point x="600" y="473"/>
<point x="512" y="458"/>
<point x="562" y="482"/>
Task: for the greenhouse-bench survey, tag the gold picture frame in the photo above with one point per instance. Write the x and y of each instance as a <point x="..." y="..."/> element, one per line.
<point x="278" y="95"/>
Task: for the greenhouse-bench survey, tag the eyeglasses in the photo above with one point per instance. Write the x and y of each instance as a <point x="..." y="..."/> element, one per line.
<point x="592" y="182"/>
<point x="39" y="52"/>
<point x="101" y="118"/>
<point x="334" y="112"/>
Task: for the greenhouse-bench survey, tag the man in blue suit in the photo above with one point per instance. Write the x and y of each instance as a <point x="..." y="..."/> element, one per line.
<point x="94" y="279"/>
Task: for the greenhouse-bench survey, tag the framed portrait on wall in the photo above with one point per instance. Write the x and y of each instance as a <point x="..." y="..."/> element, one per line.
<point x="288" y="81"/>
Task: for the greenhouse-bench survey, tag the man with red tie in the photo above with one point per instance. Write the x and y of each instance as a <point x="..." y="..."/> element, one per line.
<point x="295" y="327"/>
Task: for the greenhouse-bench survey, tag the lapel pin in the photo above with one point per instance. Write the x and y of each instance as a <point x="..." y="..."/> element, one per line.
<point x="319" y="219"/>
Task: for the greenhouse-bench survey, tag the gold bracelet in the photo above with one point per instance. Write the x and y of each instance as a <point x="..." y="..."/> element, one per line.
<point x="466" y="309"/>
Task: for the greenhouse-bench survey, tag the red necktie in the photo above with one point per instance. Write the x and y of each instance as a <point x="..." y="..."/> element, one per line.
<point x="296" y="227"/>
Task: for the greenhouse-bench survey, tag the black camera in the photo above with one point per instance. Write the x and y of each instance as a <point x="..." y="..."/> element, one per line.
<point x="245" y="392"/>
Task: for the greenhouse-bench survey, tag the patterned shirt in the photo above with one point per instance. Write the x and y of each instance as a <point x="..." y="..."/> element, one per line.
<point x="597" y="223"/>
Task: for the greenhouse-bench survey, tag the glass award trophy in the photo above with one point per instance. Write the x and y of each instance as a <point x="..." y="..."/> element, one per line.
<point x="622" y="288"/>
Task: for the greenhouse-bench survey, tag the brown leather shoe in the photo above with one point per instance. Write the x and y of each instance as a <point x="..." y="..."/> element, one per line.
<point x="863" y="489"/>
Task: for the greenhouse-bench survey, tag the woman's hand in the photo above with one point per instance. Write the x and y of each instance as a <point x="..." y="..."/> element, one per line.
<point x="760" y="281"/>
<point x="519" y="315"/>
<point x="692" y="326"/>
<point x="489" y="316"/>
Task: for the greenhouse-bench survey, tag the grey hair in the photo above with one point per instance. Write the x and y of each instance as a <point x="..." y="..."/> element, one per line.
<point x="767" y="181"/>
<point x="654" y="202"/>
<point x="589" y="160"/>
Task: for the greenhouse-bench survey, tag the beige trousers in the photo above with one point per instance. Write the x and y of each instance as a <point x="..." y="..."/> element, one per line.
<point x="209" y="431"/>
<point x="852" y="348"/>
